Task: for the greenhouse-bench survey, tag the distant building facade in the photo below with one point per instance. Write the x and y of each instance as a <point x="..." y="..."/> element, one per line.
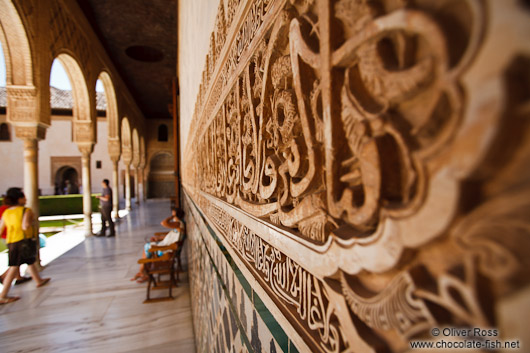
<point x="59" y="156"/>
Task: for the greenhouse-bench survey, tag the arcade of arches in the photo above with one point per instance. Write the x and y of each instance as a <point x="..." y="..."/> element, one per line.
<point x="354" y="172"/>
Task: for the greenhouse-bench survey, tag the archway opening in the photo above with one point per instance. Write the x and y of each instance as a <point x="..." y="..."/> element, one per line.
<point x="161" y="179"/>
<point x="106" y="96"/>
<point x="67" y="181"/>
<point x="101" y="99"/>
<point x="61" y="100"/>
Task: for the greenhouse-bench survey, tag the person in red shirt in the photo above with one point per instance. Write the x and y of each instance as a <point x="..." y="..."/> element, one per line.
<point x="20" y="279"/>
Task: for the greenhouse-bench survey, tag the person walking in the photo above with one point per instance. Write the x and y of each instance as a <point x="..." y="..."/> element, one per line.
<point x="19" y="222"/>
<point x="19" y="279"/>
<point x="105" y="205"/>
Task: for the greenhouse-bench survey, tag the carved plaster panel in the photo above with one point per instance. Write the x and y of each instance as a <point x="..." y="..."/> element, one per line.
<point x="30" y="132"/>
<point x="23" y="104"/>
<point x="84" y="132"/>
<point x="374" y="150"/>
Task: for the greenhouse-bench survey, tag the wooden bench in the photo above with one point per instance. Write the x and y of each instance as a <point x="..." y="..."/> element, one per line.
<point x="168" y="263"/>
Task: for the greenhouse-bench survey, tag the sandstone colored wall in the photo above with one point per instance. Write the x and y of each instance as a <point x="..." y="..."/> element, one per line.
<point x="360" y="169"/>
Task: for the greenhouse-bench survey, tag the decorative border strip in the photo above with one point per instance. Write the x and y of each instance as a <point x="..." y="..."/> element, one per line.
<point x="303" y="298"/>
<point x="275" y="329"/>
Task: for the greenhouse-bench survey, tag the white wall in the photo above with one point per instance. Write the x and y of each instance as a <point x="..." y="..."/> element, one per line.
<point x="196" y="20"/>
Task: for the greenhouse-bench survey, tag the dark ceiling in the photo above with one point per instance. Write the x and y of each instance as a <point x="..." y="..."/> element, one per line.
<point x="140" y="37"/>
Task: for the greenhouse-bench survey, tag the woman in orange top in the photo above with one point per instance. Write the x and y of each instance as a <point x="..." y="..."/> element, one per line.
<point x="18" y="221"/>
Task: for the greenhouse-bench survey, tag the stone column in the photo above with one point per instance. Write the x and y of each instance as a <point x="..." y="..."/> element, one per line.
<point x="31" y="184"/>
<point x="30" y="125"/>
<point x="137" y="185"/>
<point x="127" y="158"/>
<point x="31" y="136"/>
<point x="86" y="151"/>
<point x="142" y="188"/>
<point x="115" y="187"/>
<point x="31" y="174"/>
<point x="114" y="146"/>
<point x="128" y="186"/>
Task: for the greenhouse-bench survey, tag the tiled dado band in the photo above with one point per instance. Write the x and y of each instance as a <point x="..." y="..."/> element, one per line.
<point x="309" y="309"/>
<point x="229" y="314"/>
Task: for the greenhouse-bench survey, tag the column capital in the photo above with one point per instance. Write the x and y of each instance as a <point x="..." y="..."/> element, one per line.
<point x="114" y="158"/>
<point x="114" y="148"/>
<point x="30" y="132"/>
<point x="127" y="157"/>
<point x="86" y="148"/>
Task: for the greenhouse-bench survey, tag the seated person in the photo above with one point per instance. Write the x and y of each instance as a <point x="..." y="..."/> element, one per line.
<point x="174" y="222"/>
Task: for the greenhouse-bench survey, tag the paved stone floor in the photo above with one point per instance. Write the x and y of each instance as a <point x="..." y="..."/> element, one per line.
<point x="91" y="306"/>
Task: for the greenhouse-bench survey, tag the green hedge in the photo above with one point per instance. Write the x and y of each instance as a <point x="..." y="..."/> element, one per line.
<point x="64" y="204"/>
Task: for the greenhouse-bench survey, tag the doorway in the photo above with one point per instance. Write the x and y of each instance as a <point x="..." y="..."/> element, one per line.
<point x="66" y="181"/>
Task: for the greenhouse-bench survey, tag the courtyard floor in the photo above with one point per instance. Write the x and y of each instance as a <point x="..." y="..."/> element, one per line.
<point x="90" y="305"/>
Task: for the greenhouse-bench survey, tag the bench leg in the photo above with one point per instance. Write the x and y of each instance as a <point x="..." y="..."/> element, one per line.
<point x="149" y="281"/>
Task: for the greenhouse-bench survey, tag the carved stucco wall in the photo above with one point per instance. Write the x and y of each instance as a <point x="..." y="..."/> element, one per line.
<point x="363" y="166"/>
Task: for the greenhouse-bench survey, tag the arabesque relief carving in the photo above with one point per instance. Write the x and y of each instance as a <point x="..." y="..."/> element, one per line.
<point x="66" y="31"/>
<point x="23" y="100"/>
<point x="304" y="137"/>
<point x="383" y="145"/>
